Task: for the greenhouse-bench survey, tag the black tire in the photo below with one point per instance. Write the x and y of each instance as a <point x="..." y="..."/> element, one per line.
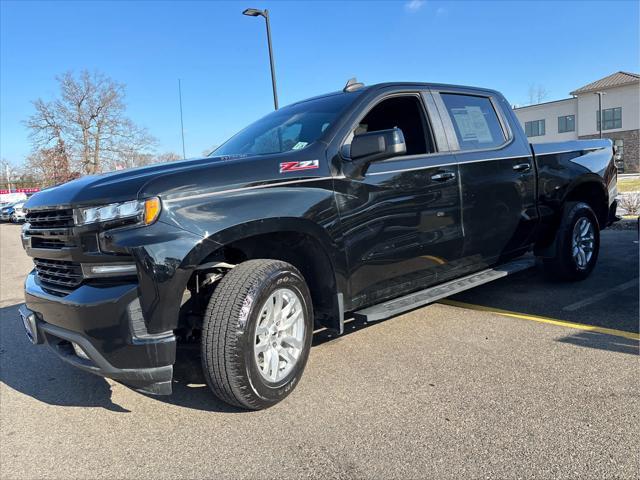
<point x="228" y="333"/>
<point x="563" y="265"/>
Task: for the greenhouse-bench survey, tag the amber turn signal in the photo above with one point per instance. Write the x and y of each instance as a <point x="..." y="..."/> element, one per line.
<point x="152" y="207"/>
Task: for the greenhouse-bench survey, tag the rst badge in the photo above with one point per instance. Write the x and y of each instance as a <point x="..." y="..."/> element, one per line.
<point x="297" y="166"/>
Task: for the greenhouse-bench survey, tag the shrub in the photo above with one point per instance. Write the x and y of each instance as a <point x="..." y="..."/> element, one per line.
<point x="631" y="203"/>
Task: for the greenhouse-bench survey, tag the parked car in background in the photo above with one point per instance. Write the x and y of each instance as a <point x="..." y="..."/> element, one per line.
<point x="6" y="212"/>
<point x="18" y="214"/>
<point x="11" y="198"/>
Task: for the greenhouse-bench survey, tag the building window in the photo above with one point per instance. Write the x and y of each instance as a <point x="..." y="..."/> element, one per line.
<point x="567" y="124"/>
<point x="534" y="128"/>
<point x="612" y="118"/>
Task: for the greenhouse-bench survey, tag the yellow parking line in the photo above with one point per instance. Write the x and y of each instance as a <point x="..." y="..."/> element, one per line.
<point x="535" y="318"/>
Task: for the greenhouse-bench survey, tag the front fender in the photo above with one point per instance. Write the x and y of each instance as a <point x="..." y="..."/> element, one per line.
<point x="162" y="253"/>
<point x="307" y="207"/>
<point x="190" y="230"/>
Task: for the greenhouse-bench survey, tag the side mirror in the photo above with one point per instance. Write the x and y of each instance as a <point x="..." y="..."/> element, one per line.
<point x="372" y="147"/>
<point x="378" y="145"/>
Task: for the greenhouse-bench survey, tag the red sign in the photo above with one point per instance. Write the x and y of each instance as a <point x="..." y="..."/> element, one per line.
<point x="21" y="190"/>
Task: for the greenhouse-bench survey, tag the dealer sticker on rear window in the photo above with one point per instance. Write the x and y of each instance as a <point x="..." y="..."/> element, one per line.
<point x="297" y="166"/>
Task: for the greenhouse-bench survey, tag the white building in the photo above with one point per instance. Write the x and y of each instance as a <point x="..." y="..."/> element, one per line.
<point x="577" y="117"/>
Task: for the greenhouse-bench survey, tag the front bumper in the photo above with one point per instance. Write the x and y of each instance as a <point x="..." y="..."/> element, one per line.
<point x="106" y="323"/>
<point x="613" y="215"/>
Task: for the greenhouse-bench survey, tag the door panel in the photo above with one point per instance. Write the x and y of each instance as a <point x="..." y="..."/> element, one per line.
<point x="499" y="211"/>
<point x="401" y="225"/>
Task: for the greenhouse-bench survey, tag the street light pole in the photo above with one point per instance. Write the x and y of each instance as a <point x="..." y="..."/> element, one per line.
<point x="252" y="12"/>
<point x="600" y="116"/>
<point x="273" y="68"/>
<point x="184" y="155"/>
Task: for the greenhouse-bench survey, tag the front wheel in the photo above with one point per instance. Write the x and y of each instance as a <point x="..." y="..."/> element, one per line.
<point x="256" y="334"/>
<point x="577" y="244"/>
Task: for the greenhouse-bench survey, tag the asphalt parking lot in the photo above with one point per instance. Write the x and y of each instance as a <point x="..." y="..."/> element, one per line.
<point x="520" y="378"/>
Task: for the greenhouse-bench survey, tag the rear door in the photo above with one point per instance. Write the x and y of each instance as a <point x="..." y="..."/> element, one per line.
<point x="497" y="175"/>
<point x="400" y="223"/>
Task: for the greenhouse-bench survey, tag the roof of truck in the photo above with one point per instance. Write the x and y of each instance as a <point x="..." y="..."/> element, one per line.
<point x="379" y="86"/>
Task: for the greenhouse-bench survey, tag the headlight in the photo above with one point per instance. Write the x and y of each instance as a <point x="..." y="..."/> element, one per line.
<point x="141" y="211"/>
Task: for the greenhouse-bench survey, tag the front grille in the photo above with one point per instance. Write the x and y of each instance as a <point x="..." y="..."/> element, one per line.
<point x="50" y="229"/>
<point x="51" y="243"/>
<point x="50" y="219"/>
<point x="59" y="277"/>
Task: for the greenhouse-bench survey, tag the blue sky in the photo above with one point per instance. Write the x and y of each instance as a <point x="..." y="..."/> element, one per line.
<point x="221" y="56"/>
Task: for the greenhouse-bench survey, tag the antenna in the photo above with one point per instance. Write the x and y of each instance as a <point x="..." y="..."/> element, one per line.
<point x="184" y="156"/>
<point x="352" y="85"/>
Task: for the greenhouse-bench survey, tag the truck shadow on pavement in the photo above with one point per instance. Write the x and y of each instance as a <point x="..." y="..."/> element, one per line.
<point x="603" y="342"/>
<point x="35" y="371"/>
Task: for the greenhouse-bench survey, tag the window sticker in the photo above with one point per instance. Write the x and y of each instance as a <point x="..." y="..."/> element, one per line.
<point x="472" y="124"/>
<point x="299" y="146"/>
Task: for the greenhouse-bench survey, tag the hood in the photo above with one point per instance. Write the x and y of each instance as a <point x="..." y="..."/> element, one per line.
<point x="118" y="186"/>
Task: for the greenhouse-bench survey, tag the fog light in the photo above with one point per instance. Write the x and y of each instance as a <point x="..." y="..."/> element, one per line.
<point x="79" y="351"/>
<point x="29" y="322"/>
<point x="90" y="270"/>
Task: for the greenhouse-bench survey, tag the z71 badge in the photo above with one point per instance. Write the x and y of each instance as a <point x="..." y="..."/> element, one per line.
<point x="297" y="166"/>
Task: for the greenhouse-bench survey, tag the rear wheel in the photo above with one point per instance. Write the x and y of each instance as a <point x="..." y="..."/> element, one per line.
<point x="577" y="244"/>
<point x="257" y="334"/>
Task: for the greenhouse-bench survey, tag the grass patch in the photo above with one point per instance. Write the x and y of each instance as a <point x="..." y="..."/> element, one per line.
<point x="628" y="185"/>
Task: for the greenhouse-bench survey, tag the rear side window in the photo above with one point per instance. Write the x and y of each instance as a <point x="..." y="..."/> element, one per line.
<point x="474" y="120"/>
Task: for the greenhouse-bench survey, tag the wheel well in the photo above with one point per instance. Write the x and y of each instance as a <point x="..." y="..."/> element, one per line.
<point x="592" y="194"/>
<point x="301" y="250"/>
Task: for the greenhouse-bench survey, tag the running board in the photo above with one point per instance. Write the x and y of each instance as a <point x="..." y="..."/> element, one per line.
<point x="400" y="305"/>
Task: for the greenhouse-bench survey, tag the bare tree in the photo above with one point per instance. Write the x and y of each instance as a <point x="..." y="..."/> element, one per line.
<point x="50" y="166"/>
<point x="8" y="172"/>
<point x="17" y="176"/>
<point x="131" y="159"/>
<point x="88" y="123"/>
<point x="537" y="94"/>
<point x="168" y="157"/>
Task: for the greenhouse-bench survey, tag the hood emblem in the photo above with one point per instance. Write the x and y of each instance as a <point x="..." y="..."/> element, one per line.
<point x="297" y="166"/>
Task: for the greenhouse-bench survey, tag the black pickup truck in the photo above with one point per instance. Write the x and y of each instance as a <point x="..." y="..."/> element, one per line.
<point x="363" y="203"/>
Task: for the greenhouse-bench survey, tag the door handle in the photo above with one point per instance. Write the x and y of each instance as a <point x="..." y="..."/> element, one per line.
<point x="522" y="167"/>
<point x="443" y="177"/>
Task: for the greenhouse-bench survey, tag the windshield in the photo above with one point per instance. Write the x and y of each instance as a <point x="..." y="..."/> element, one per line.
<point x="290" y="128"/>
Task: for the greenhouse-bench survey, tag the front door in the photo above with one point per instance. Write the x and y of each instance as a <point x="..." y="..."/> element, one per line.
<point x="400" y="224"/>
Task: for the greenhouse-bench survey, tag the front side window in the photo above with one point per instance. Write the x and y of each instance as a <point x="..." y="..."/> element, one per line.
<point x="612" y="118"/>
<point x="405" y="113"/>
<point x="535" y="128"/>
<point x="474" y="120"/>
<point x="567" y="123"/>
<point x="291" y="128"/>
